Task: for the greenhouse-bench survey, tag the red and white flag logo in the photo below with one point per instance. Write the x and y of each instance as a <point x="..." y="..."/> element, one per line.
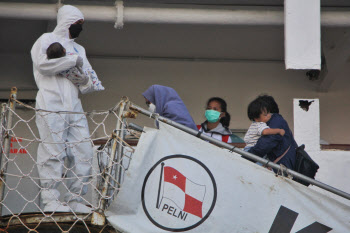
<point x="179" y="193"/>
<point x="186" y="194"/>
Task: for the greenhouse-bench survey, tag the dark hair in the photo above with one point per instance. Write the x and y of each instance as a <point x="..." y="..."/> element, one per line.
<point x="272" y="105"/>
<point x="55" y="50"/>
<point x="256" y="107"/>
<point x="225" y="121"/>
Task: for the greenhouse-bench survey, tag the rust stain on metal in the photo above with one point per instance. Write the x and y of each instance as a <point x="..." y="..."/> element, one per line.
<point x="35" y="218"/>
<point x="13" y="96"/>
<point x="166" y="121"/>
<point x="134" y="110"/>
<point x="13" y="90"/>
<point x="98" y="219"/>
<point x="130" y="114"/>
<point x="1" y="180"/>
<point x="37" y="222"/>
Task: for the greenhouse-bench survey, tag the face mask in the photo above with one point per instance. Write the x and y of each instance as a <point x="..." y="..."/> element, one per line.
<point x="75" y="30"/>
<point x="212" y="115"/>
<point x="152" y="108"/>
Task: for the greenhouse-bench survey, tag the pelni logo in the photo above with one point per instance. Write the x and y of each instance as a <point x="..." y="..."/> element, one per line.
<point x="179" y="193"/>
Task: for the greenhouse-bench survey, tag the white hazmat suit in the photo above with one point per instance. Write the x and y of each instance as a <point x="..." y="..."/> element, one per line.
<point x="61" y="134"/>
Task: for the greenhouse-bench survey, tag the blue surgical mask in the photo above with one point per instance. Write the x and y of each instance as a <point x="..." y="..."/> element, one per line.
<point x="212" y="115"/>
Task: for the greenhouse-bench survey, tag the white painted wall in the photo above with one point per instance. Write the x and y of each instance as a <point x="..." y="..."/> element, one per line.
<point x="237" y="82"/>
<point x="334" y="165"/>
<point x="334" y="171"/>
<point x="307" y="124"/>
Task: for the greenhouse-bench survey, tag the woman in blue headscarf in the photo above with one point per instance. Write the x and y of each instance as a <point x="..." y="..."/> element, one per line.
<point x="167" y="103"/>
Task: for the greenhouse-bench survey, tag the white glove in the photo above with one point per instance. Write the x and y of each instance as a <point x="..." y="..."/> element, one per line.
<point x="87" y="87"/>
<point x="77" y="77"/>
<point x="84" y="78"/>
<point x="80" y="62"/>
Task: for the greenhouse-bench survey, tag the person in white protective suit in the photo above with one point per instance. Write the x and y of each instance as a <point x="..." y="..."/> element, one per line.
<point x="63" y="136"/>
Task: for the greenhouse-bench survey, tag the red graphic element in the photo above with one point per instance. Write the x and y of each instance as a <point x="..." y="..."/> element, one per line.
<point x="17" y="151"/>
<point x="173" y="176"/>
<point x="225" y="138"/>
<point x="192" y="205"/>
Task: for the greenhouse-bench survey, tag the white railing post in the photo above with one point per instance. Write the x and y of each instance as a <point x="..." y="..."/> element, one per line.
<point x="98" y="217"/>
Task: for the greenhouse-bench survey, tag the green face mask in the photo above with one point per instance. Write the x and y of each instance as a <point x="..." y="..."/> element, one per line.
<point x="212" y="115"/>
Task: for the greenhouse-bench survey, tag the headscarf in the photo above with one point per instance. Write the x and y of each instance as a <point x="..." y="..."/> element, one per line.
<point x="66" y="16"/>
<point x="169" y="104"/>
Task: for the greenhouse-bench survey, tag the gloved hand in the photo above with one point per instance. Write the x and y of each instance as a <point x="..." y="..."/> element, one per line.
<point x="84" y="78"/>
<point x="80" y="62"/>
<point x="86" y="86"/>
<point x="77" y="76"/>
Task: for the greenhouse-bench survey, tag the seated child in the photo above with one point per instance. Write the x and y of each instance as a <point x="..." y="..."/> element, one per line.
<point x="86" y="81"/>
<point x="259" y="115"/>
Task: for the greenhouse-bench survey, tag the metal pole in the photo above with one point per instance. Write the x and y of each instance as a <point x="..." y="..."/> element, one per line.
<point x="120" y="155"/>
<point x="7" y="140"/>
<point x="165" y="13"/>
<point x="241" y="152"/>
<point x="117" y="168"/>
<point x="98" y="217"/>
<point x="120" y="133"/>
<point x="2" y="129"/>
<point x="2" y="149"/>
<point x="135" y="127"/>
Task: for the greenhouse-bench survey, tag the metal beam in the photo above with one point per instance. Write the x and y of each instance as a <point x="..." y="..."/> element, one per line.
<point x="256" y="16"/>
<point x="149" y="14"/>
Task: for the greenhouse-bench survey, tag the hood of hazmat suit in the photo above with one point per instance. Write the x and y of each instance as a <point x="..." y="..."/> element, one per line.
<point x="169" y="104"/>
<point x="57" y="93"/>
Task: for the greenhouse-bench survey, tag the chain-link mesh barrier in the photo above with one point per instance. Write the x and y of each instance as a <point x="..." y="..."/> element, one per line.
<point x="54" y="176"/>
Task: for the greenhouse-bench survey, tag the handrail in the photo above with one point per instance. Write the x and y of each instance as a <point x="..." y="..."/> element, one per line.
<point x="241" y="152"/>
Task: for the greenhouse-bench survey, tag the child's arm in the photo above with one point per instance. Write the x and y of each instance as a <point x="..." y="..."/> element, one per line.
<point x="270" y="131"/>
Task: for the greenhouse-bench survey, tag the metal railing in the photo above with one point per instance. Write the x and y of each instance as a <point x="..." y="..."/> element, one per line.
<point x="248" y="155"/>
<point x="40" y="221"/>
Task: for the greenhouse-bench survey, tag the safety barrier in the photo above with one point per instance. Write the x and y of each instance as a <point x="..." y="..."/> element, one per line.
<point x="56" y="164"/>
<point x="64" y="143"/>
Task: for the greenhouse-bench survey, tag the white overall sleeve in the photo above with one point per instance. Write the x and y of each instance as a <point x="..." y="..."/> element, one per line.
<point x="95" y="84"/>
<point x="46" y="66"/>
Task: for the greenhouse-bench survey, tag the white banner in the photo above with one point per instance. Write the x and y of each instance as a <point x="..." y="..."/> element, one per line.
<point x="177" y="182"/>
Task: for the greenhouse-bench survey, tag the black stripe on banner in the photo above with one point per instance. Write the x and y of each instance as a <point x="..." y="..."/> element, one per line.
<point x="316" y="227"/>
<point x="284" y="221"/>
